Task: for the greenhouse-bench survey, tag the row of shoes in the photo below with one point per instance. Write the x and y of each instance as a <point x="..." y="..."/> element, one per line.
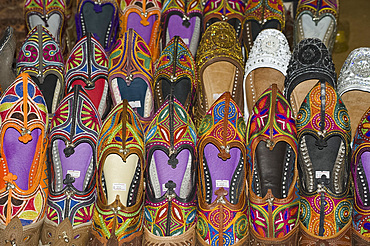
<point x="127" y="151"/>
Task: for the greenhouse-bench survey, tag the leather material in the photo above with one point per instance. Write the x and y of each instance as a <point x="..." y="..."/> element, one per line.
<point x="358" y="239"/>
<point x="44" y="13"/>
<point x="317" y="19"/>
<point x="87" y="65"/>
<point x="99" y="18"/>
<point x="187" y="238"/>
<point x="200" y="241"/>
<point x="113" y="222"/>
<point x="65" y="233"/>
<point x="176" y="72"/>
<point x="260" y="15"/>
<point x="144" y="17"/>
<point x="183" y="18"/>
<point x="7" y="52"/>
<point x="131" y="75"/>
<point x="15" y="234"/>
<point x="273" y="198"/>
<point x="40" y="56"/>
<point x="230" y="11"/>
<point x="218" y="44"/>
<point x="23" y="184"/>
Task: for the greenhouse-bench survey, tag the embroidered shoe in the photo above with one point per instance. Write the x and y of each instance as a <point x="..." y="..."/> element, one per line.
<point x="317" y="19"/>
<point x="267" y="63"/>
<point x="131" y="74"/>
<point x="40" y="56"/>
<point x="360" y="173"/>
<point x="118" y="214"/>
<point x="324" y="134"/>
<point x="170" y="204"/>
<point x="87" y="65"/>
<point x="183" y="18"/>
<point x="223" y="210"/>
<point x="230" y="11"/>
<point x="220" y="68"/>
<point x="176" y="73"/>
<point x="272" y="179"/>
<point x="23" y="176"/>
<point x="49" y="14"/>
<point x="260" y="15"/>
<point x="144" y="17"/>
<point x="100" y="18"/>
<point x="354" y="84"/>
<point x="72" y="191"/>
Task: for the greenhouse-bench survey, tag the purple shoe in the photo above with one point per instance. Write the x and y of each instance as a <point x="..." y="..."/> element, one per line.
<point x="72" y="191"/>
<point x="182" y="18"/>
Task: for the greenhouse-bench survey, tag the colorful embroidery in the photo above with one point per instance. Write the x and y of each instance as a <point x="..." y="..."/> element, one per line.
<point x="265" y="10"/>
<point x="224" y="127"/>
<point x="174" y="64"/>
<point x="144" y="17"/>
<point x="45" y="11"/>
<point x="116" y="218"/>
<point x="23" y="113"/>
<point x="171" y="131"/>
<point x="88" y="65"/>
<point x="313" y="6"/>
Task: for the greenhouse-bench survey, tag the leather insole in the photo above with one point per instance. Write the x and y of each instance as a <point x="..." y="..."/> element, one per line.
<point x="356" y="102"/>
<point x="181" y="89"/>
<point x="218" y="78"/>
<point x="299" y="93"/>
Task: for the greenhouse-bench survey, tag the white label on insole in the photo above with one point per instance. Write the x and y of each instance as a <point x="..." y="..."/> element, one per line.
<point x="135" y="104"/>
<point x="222" y="183"/>
<point x="318" y="174"/>
<point x="119" y="186"/>
<point x="216" y="96"/>
<point x="74" y="173"/>
<point x="186" y="41"/>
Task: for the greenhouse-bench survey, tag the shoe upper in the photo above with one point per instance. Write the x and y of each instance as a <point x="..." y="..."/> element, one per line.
<point x="40" y="56"/>
<point x="324" y="135"/>
<point x="131" y="74"/>
<point x="118" y="213"/>
<point x="175" y="73"/>
<point x="73" y="138"/>
<point x="50" y="14"/>
<point x="99" y="18"/>
<point x="317" y="19"/>
<point x="144" y="17"/>
<point x="272" y="141"/>
<point x="222" y="173"/>
<point x="261" y="15"/>
<point x="230" y="11"/>
<point x="182" y="18"/>
<point x="87" y="65"/>
<point x="23" y="129"/>
<point x="170" y="205"/>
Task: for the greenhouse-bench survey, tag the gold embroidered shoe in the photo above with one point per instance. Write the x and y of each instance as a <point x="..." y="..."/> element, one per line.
<point x="118" y="214"/>
<point x="220" y="68"/>
<point x="23" y="176"/>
